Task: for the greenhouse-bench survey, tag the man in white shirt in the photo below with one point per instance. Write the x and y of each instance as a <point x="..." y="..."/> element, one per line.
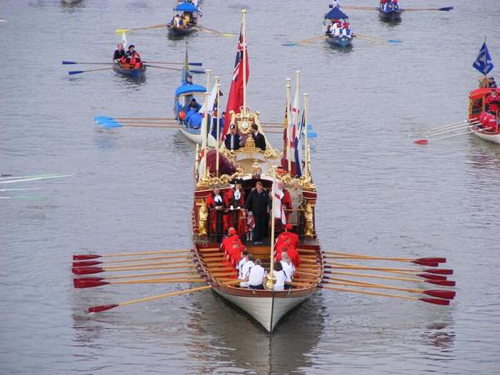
<point x="256" y="277"/>
<point x="241" y="263"/>
<point x="245" y="270"/>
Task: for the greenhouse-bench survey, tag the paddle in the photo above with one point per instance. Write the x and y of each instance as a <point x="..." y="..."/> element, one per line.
<point x="305" y="41"/>
<point x="96" y="309"/>
<point x="421" y="261"/>
<point x="408" y="279"/>
<point x="444" y="9"/>
<point x="187" y="273"/>
<point x="375" y="39"/>
<point x="93" y="270"/>
<point x="95" y="256"/>
<point x="114" y="124"/>
<point x="107" y="118"/>
<point x="159" y="26"/>
<point x="85" y="283"/>
<point x="177" y="69"/>
<point x="220" y="33"/>
<point x="435" y="301"/>
<point x="187" y="261"/>
<point x="34" y="178"/>
<point x="87" y="263"/>
<point x="446" y="294"/>
<point x="72" y="72"/>
<point x="447" y="126"/>
<point x="397" y="270"/>
<point x="65" y="62"/>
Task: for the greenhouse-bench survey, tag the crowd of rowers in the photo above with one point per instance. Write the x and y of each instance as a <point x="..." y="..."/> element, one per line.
<point x="336" y="27"/>
<point x="129" y="59"/>
<point x="389" y="5"/>
<point x="490" y="117"/>
<point x="183" y="21"/>
<point x="246" y="220"/>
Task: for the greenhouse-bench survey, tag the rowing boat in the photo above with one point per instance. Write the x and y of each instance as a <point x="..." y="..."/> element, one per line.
<point x="339" y="38"/>
<point x="254" y="163"/>
<point x="185" y="24"/>
<point x="390" y="15"/>
<point x="133" y="73"/>
<point x="477" y="106"/>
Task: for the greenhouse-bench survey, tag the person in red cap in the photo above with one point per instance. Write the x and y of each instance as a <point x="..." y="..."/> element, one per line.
<point x="287" y="241"/>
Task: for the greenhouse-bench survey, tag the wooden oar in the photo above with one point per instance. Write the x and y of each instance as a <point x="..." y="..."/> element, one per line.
<point x="66" y="62"/>
<point x="305" y="41"/>
<point x="411" y="270"/>
<point x="436" y="301"/>
<point x="447" y="125"/>
<point x="186" y="273"/>
<point x="177" y="69"/>
<point x="86" y="283"/>
<point x="95" y="256"/>
<point x="112" y="124"/>
<point x="228" y="35"/>
<point x="93" y="270"/>
<point x="72" y="72"/>
<point x="96" y="309"/>
<point x="356" y="7"/>
<point x="408" y="279"/>
<point x="426" y="141"/>
<point x="422" y="261"/>
<point x="444" y="9"/>
<point x="187" y="261"/>
<point x="87" y="263"/>
<point x="446" y="294"/>
<point x="375" y="39"/>
<point x="159" y="26"/>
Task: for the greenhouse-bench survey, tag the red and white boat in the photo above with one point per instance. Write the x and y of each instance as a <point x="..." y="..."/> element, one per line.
<point x="480" y="127"/>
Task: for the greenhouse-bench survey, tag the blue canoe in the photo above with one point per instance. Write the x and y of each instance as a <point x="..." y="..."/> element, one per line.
<point x="339" y="41"/>
<point x="133" y="73"/>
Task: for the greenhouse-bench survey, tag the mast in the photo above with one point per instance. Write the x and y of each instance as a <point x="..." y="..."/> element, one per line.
<point x="286" y="150"/>
<point x="217" y="84"/>
<point x="204" y="127"/>
<point x="244" y="56"/>
<point x="306" y="139"/>
<point x="270" y="276"/>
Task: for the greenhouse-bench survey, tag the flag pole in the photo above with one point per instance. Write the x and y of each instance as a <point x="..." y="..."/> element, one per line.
<point x="288" y="118"/>
<point x="270" y="277"/>
<point x="217" y="135"/>
<point x="306" y="139"/>
<point x="244" y="56"/>
<point x="294" y="118"/>
<point x="204" y="127"/>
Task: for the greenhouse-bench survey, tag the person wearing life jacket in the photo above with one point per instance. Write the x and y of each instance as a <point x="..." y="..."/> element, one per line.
<point x="133" y="58"/>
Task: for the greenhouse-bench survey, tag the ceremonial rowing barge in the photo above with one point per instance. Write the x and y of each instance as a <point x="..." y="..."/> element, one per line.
<point x="130" y="72"/>
<point x="478" y="118"/>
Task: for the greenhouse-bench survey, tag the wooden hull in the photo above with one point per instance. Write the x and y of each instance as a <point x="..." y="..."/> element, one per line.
<point x="268" y="311"/>
<point x="393" y="16"/>
<point x="180" y="31"/>
<point x="487" y="136"/>
<point x="340" y="41"/>
<point x="133" y="73"/>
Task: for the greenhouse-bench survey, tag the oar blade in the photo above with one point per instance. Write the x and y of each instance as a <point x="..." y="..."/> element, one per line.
<point x="86" y="270"/>
<point x="96" y="309"/>
<point x="85" y="256"/>
<point x="289" y="44"/>
<point x="425" y="262"/>
<point x="100" y="119"/>
<point x="434" y="260"/>
<point x="441" y="282"/>
<point x="443" y="271"/>
<point x="196" y="64"/>
<point x="436" y="301"/>
<point x="72" y="72"/>
<point x="86" y="263"/>
<point x="197" y="71"/>
<point x="111" y="124"/>
<point x="85" y="283"/>
<point x="431" y="276"/>
<point x="65" y="62"/>
<point x="119" y="31"/>
<point x="445" y="294"/>
<point x="445" y="9"/>
<point x="91" y="278"/>
<point x="421" y="141"/>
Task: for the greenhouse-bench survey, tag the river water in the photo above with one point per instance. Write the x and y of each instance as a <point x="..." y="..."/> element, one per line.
<point x="131" y="189"/>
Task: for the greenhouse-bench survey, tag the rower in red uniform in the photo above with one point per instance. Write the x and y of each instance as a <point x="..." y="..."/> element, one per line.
<point x="288" y="241"/>
<point x="232" y="247"/>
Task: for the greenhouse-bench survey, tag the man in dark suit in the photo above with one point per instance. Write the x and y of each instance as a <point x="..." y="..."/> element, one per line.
<point x="258" y="202"/>
<point x="232" y="140"/>
<point x="260" y="141"/>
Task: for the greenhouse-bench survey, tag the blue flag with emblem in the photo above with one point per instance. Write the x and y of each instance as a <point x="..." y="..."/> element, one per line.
<point x="483" y="61"/>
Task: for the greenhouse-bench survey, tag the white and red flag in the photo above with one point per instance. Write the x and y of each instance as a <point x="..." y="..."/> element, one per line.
<point x="235" y="98"/>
